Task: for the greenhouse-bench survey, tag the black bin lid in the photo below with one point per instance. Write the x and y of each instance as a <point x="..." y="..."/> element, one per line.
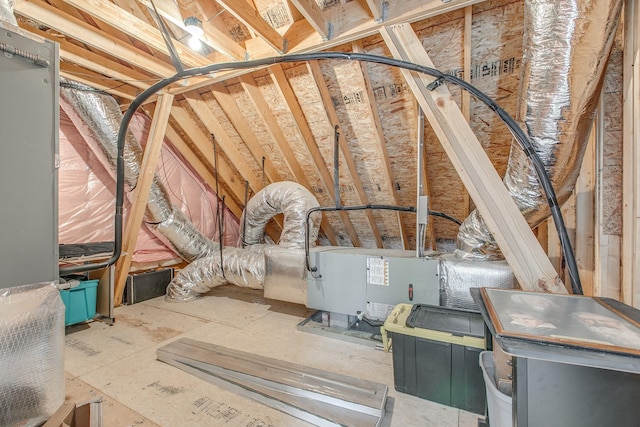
<point x="452" y="320"/>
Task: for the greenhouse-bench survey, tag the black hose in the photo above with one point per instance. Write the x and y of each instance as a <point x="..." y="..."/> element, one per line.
<point x="516" y="131"/>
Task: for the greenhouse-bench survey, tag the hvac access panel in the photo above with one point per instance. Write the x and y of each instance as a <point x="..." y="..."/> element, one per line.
<point x="352" y="280"/>
<point x="29" y="121"/>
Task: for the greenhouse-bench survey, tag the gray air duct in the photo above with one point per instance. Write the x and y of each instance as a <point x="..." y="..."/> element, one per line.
<point x="101" y="116"/>
<point x="566" y="46"/>
<point x="246" y="267"/>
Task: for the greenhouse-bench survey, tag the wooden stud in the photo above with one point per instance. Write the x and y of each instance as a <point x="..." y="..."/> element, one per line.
<point x="631" y="156"/>
<point x="512" y="233"/>
<point x="141" y="195"/>
<point x="466" y="97"/>
<point x="264" y="111"/>
<point x="381" y="142"/>
<point x="377" y="9"/>
<point x="344" y="147"/>
<point x="585" y="226"/>
<point x="283" y="86"/>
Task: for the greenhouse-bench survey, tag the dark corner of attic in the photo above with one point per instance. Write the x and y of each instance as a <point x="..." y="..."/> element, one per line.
<point x="329" y="213"/>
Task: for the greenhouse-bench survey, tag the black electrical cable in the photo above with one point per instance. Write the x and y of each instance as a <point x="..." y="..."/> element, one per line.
<point x="445" y="216"/>
<point x="514" y="128"/>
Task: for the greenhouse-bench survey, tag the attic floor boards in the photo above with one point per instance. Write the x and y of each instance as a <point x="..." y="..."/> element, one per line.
<point x="119" y="363"/>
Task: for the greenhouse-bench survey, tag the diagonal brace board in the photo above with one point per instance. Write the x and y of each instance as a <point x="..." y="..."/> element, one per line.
<point x="522" y="251"/>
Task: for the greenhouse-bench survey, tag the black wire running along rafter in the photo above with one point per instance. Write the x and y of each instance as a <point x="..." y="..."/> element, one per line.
<point x="441" y="77"/>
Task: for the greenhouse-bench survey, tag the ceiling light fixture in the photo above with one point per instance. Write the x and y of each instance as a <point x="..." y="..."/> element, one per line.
<point x="194" y="27"/>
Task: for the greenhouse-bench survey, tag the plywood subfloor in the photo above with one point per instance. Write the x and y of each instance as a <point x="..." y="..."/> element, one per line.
<point x="119" y="363"/>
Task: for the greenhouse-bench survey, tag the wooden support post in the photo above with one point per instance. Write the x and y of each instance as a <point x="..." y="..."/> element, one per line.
<point x="143" y="186"/>
<point x="631" y="156"/>
<point x="585" y="199"/>
<point x="522" y="251"/>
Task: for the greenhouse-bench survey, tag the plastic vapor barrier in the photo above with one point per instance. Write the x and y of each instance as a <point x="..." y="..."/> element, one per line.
<point x="31" y="354"/>
<point x="6" y="12"/>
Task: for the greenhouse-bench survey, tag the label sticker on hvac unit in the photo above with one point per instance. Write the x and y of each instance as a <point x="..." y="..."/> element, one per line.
<point x="378" y="271"/>
<point x="377" y="310"/>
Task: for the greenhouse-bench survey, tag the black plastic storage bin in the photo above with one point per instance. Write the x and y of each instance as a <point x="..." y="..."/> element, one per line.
<point x="437" y="356"/>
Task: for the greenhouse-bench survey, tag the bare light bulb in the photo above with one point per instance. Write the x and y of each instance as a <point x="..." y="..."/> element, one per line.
<point x="195" y="43"/>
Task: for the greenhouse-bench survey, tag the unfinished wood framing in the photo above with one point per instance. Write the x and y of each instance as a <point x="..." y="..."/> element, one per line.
<point x="344" y="149"/>
<point x="512" y="233"/>
<point x="141" y="195"/>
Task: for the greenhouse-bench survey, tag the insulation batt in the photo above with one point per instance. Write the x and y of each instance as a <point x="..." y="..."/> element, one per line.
<point x="101" y="116"/>
<point x="566" y="46"/>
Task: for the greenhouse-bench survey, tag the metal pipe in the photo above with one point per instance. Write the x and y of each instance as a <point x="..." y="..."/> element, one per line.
<point x="420" y="228"/>
<point x="336" y="164"/>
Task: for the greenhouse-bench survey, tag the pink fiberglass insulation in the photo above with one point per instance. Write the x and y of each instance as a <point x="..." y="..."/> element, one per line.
<point x="87" y="185"/>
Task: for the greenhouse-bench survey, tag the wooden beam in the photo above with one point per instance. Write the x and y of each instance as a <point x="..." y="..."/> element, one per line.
<point x="204" y="150"/>
<point x="250" y="17"/>
<point x="378" y="9"/>
<point x="380" y="139"/>
<point x="92" y="61"/>
<point x="284" y="88"/>
<point x="123" y="21"/>
<point x="314" y="15"/>
<point x="206" y="116"/>
<point x="512" y="233"/>
<point x="585" y="214"/>
<point x="344" y="147"/>
<point x="80" y="30"/>
<point x="213" y="36"/>
<point x="466" y="98"/>
<point x="244" y="129"/>
<point x="98" y="81"/>
<point x="264" y="111"/>
<point x="143" y="186"/>
<point x="631" y="156"/>
<point x="355" y="23"/>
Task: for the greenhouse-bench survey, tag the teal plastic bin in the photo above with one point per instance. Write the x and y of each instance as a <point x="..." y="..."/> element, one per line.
<point x="80" y="302"/>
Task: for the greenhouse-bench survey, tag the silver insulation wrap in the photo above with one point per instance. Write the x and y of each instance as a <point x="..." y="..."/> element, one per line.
<point x="6" y="12"/>
<point x="246" y="267"/>
<point x="101" y="115"/>
<point x="566" y="46"/>
<point x="289" y="198"/>
<point x="241" y="267"/>
<point x="31" y="354"/>
<point x="457" y="276"/>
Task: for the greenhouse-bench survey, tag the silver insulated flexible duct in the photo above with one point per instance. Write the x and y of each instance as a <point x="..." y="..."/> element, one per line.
<point x="6" y="12"/>
<point x="246" y="267"/>
<point x="101" y="115"/>
<point x="566" y="46"/>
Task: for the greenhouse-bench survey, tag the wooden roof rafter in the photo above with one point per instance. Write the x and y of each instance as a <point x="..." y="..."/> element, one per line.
<point x="123" y="21"/>
<point x="80" y="30"/>
<point x="332" y="114"/>
<point x="213" y="36"/>
<point x="381" y="142"/>
<point x="264" y="111"/>
<point x="249" y="16"/>
<point x="283" y="86"/>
